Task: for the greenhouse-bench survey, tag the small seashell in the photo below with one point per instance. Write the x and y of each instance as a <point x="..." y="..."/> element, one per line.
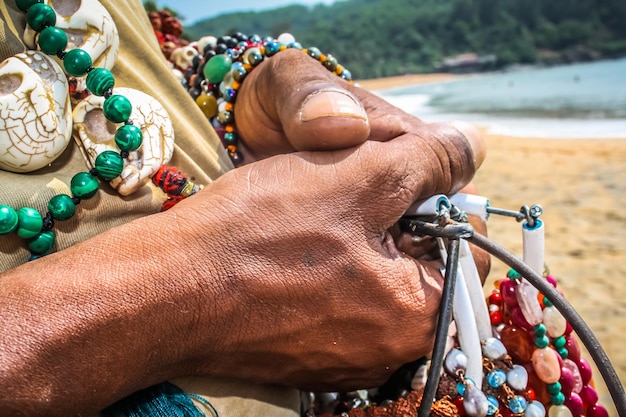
<point x="95" y="134"/>
<point x="35" y="112"/>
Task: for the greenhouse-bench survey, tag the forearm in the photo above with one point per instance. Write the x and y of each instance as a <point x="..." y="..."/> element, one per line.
<point x="107" y="316"/>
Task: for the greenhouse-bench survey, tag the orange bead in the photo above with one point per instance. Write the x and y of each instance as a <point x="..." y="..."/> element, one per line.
<point x="235" y="85"/>
<point x="232" y="148"/>
<point x="518" y="343"/>
<point x="228" y="107"/>
<point x="229" y="129"/>
<point x="339" y="69"/>
<point x="322" y="58"/>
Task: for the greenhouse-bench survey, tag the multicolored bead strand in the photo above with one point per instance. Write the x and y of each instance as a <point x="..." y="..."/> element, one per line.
<point x="219" y="76"/>
<point x="28" y="222"/>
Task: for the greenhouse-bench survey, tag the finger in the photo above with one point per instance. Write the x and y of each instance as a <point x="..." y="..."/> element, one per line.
<point x="439" y="159"/>
<point x="282" y="110"/>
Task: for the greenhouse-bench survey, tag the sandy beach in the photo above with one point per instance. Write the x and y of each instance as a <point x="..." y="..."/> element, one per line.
<point x="581" y="185"/>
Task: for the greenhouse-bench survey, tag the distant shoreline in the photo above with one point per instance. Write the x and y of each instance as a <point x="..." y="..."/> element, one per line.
<point x="402" y="80"/>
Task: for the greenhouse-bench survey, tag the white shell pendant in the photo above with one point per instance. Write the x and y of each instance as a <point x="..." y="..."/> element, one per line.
<point x="94" y="134"/>
<point x="88" y="26"/>
<point x="35" y="112"/>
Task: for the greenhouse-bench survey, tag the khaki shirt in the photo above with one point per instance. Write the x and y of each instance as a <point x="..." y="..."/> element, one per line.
<point x="198" y="153"/>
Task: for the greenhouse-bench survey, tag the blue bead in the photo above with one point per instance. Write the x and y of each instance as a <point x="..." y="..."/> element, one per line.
<point x="272" y="48"/>
<point x="496" y="378"/>
<point x="346" y="75"/>
<point x="518" y="404"/>
<point x="230" y="95"/>
<point x="460" y="386"/>
<point x="494" y="405"/>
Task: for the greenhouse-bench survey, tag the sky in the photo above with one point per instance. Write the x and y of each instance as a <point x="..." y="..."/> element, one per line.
<point x="194" y="10"/>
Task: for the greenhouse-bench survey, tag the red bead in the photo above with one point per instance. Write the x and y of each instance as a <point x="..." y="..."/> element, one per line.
<point x="573" y="348"/>
<point x="458" y="402"/>
<point x="530" y="394"/>
<point x="495" y="298"/>
<point x="567" y="381"/>
<point x="568" y="329"/>
<point x="517" y="343"/>
<point x="495" y="317"/>
<point x="518" y="319"/>
<point x="575" y="404"/>
<point x="507" y="289"/>
<point x="597" y="411"/>
<point x="588" y="395"/>
<point x="585" y="370"/>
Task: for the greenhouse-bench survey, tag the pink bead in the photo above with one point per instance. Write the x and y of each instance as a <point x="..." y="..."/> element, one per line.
<point x="568" y="329"/>
<point x="585" y="370"/>
<point x="551" y="280"/>
<point x="507" y="289"/>
<point x="572" y="346"/>
<point x="589" y="396"/>
<point x="578" y="381"/>
<point x="518" y="319"/>
<point x="567" y="381"/>
<point x="546" y="365"/>
<point x="597" y="411"/>
<point x="575" y="404"/>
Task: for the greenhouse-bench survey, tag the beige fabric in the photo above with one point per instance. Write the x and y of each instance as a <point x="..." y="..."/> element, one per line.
<point x="198" y="153"/>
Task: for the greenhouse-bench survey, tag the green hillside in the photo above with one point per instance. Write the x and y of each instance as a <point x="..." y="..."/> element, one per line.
<point x="376" y="38"/>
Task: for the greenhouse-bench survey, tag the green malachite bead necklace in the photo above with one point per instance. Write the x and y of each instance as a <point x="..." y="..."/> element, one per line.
<point x="27" y="222"/>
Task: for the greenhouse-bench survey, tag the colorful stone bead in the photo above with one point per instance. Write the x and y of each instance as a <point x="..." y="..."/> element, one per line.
<point x="558" y="398"/>
<point x="494" y="349"/>
<point x="546" y="365"/>
<point x="61" y="207"/>
<point x="518" y="344"/>
<point x="554" y="321"/>
<point x="128" y="138"/>
<point x="208" y="104"/>
<point x="559" y="411"/>
<point x="589" y="395"/>
<point x="597" y="410"/>
<point x="76" y="62"/>
<point x="216" y="68"/>
<point x="585" y="370"/>
<point x="253" y="56"/>
<point x="507" y="289"/>
<point x="30" y="222"/>
<point x="575" y="372"/>
<point x="455" y="360"/>
<point x="8" y="219"/>
<point x="99" y="81"/>
<point x="573" y="348"/>
<point x="39" y="16"/>
<point x="518" y="404"/>
<point x="575" y="404"/>
<point x="517" y="378"/>
<point x="117" y="108"/>
<point x="42" y="243"/>
<point x="84" y="185"/>
<point x="109" y="165"/>
<point x="475" y="402"/>
<point x="526" y="295"/>
<point x="567" y="381"/>
<point x="535" y="409"/>
<point x="494" y="405"/>
<point x="52" y="40"/>
<point x="496" y="378"/>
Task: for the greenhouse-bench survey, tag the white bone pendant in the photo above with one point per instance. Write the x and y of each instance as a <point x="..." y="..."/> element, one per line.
<point x="88" y="26"/>
<point x="94" y="134"/>
<point x="35" y="112"/>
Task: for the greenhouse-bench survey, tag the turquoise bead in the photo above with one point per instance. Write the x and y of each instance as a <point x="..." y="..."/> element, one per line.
<point x="555" y="388"/>
<point x="542" y="342"/>
<point x="109" y="165"/>
<point x="518" y="404"/>
<point x="24" y="5"/>
<point x="61" y="207"/>
<point x="128" y="138"/>
<point x="30" y="222"/>
<point x="117" y="108"/>
<point x="84" y="185"/>
<point x="77" y="62"/>
<point x="346" y="75"/>
<point x="494" y="405"/>
<point x="547" y="302"/>
<point x="540" y="330"/>
<point x="99" y="80"/>
<point x="8" y="219"/>
<point x="513" y="275"/>
<point x="42" y="243"/>
<point x="52" y="40"/>
<point x="557" y="399"/>
<point x="563" y="352"/>
<point x="216" y="68"/>
<point x="39" y="16"/>
<point x="559" y="342"/>
<point x="496" y="378"/>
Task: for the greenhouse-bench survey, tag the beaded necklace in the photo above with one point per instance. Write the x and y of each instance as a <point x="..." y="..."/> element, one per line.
<point x="27" y="222"/>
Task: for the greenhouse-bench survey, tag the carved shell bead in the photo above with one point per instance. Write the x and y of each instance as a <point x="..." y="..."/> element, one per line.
<point x="35" y="112"/>
<point x="95" y="135"/>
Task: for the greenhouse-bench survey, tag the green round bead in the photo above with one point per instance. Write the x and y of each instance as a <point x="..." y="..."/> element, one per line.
<point x="52" y="40"/>
<point x="547" y="302"/>
<point x="109" y="165"/>
<point x="8" y="219"/>
<point x="30" y="222"/>
<point x="542" y="342"/>
<point x="39" y="16"/>
<point x="84" y="185"/>
<point x="557" y="399"/>
<point x="77" y="62"/>
<point x="61" y="207"/>
<point x="540" y="330"/>
<point x="42" y="243"/>
<point x="24" y="5"/>
<point x="559" y="342"/>
<point x="563" y="352"/>
<point x="99" y="80"/>
<point x="513" y="275"/>
<point x="554" y="389"/>
<point x="128" y="138"/>
<point x="117" y="108"/>
<point x="216" y="68"/>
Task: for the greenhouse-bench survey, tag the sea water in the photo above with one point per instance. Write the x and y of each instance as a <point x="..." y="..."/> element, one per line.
<point x="585" y="100"/>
